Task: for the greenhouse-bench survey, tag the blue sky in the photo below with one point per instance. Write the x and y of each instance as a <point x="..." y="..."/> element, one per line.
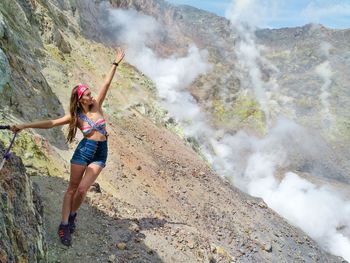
<point x="287" y="13"/>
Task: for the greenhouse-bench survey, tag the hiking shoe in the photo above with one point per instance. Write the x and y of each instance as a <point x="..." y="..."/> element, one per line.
<point x="64" y="234"/>
<point x="71" y="222"/>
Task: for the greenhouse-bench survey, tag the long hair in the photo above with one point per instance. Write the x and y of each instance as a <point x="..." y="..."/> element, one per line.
<point x="74" y="108"/>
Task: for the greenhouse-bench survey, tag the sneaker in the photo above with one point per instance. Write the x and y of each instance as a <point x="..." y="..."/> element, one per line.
<point x="71" y="222"/>
<point x="64" y="234"/>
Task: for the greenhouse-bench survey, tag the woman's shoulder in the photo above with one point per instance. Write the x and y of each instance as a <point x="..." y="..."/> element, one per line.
<point x="96" y="110"/>
<point x="95" y="106"/>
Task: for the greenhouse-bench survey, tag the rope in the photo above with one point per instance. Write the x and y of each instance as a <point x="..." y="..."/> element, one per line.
<point x="7" y="154"/>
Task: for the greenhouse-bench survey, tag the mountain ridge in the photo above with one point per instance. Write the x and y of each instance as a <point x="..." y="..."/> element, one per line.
<point x="153" y="176"/>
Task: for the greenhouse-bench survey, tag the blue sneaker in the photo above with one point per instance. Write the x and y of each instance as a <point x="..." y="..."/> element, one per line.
<point x="64" y="234"/>
<point x="71" y="222"/>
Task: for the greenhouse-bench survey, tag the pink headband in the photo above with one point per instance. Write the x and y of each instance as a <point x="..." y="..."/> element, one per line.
<point x="81" y="89"/>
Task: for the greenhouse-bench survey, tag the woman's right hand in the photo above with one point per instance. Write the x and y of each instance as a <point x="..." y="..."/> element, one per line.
<point x="17" y="128"/>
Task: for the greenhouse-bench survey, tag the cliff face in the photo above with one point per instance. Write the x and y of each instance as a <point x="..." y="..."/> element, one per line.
<point x="25" y="93"/>
<point x="22" y="236"/>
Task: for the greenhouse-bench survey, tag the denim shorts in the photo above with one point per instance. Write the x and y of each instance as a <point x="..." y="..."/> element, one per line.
<point x="90" y="151"/>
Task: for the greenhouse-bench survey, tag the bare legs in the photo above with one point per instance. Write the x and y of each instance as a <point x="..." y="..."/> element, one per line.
<point x="78" y="187"/>
<point x="92" y="171"/>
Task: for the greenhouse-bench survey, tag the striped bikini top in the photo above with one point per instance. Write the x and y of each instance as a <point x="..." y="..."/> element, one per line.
<point x="99" y="125"/>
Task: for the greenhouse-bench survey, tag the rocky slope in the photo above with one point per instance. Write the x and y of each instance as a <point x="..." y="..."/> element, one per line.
<point x="22" y="232"/>
<point x="160" y="201"/>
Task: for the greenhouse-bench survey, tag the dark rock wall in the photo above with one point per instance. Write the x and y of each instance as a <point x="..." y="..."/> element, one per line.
<point x="22" y="237"/>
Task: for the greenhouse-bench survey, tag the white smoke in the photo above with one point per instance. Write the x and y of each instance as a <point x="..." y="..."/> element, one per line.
<point x="325" y="48"/>
<point x="257" y="165"/>
<point x="299" y="201"/>
<point x="128" y="27"/>
<point x="324" y="70"/>
<point x="244" y="18"/>
<point x="171" y="75"/>
<point x="317" y="210"/>
<point x="253" y="13"/>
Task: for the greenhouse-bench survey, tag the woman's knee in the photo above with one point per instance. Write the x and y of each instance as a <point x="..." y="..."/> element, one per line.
<point x="72" y="188"/>
<point x="82" y="191"/>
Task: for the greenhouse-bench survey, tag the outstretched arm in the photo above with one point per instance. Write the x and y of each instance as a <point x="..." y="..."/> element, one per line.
<point x="103" y="90"/>
<point x="42" y="124"/>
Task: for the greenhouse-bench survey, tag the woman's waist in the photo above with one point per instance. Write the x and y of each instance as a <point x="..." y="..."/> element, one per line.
<point x="95" y="139"/>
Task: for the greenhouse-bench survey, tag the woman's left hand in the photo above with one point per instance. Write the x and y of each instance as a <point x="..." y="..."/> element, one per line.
<point x="119" y="55"/>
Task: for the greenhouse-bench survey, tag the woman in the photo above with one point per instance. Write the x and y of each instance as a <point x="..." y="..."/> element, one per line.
<point x="90" y="155"/>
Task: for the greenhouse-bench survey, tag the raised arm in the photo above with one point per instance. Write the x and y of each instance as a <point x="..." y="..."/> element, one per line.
<point x="103" y="90"/>
<point x="42" y="124"/>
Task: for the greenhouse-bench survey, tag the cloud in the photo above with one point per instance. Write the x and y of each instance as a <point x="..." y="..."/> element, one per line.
<point x="316" y="12"/>
<point x="251" y="12"/>
<point x="280" y="13"/>
<point x="273" y="13"/>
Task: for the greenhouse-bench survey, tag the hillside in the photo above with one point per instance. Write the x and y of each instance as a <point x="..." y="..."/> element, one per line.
<point x="305" y="66"/>
<point x="159" y="196"/>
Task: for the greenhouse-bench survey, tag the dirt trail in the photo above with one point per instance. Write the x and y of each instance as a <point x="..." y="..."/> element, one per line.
<point x="97" y="233"/>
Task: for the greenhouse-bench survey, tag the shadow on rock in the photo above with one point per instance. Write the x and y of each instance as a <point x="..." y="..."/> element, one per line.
<point x="98" y="237"/>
